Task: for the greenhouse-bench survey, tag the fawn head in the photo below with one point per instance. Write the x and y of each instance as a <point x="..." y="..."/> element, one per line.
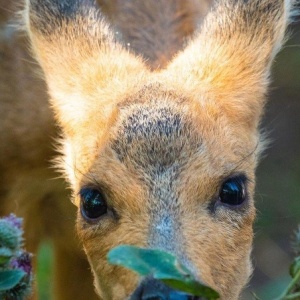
<point x="165" y="158"/>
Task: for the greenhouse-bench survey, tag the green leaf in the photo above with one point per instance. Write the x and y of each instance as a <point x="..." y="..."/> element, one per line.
<point x="295" y="267"/>
<point x="5" y="256"/>
<point x="192" y="287"/>
<point x="10" y="278"/>
<point x="161" y="265"/>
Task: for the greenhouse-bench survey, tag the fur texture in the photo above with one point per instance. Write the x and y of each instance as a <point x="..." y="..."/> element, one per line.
<point x="160" y="134"/>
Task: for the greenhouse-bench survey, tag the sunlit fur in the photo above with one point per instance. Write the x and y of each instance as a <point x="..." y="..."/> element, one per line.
<point x="158" y="124"/>
<point x="160" y="143"/>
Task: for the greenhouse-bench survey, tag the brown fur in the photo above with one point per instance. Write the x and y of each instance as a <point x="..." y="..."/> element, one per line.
<point x="158" y="137"/>
<point x="175" y="20"/>
<point x="27" y="184"/>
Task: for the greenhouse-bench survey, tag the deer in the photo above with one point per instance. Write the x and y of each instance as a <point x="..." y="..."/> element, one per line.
<point x="156" y="111"/>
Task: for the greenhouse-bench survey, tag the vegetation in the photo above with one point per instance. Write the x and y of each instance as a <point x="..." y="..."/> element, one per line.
<point x="165" y="267"/>
<point x="15" y="262"/>
<point x="160" y="265"/>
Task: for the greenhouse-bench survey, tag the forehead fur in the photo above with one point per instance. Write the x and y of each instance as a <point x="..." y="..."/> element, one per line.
<point x="157" y="138"/>
<point x="156" y="134"/>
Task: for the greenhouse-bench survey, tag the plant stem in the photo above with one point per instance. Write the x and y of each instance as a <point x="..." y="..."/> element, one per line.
<point x="255" y="296"/>
<point x="295" y="280"/>
<point x="292" y="296"/>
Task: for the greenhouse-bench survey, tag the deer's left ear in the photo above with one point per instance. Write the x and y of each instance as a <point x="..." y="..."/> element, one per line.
<point x="82" y="62"/>
<point x="229" y="60"/>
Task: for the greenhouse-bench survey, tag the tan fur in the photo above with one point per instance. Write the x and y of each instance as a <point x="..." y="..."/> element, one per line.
<point x="160" y="136"/>
<point x="27" y="185"/>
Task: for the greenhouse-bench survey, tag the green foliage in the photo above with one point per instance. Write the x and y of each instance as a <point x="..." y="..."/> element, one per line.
<point x="5" y="255"/>
<point x="15" y="263"/>
<point x="295" y="267"/>
<point x="296" y="242"/>
<point x="44" y="271"/>
<point x="165" y="267"/>
<point x="10" y="278"/>
<point x="160" y="265"/>
<point x="292" y="291"/>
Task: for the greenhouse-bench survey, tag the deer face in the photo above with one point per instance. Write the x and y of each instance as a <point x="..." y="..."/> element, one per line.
<point x="159" y="178"/>
<point x="161" y="159"/>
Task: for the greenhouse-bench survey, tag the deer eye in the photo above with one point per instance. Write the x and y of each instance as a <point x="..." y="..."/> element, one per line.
<point x="233" y="191"/>
<point x="93" y="203"/>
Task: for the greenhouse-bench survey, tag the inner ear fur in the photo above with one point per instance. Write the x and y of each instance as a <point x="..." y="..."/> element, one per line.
<point x="230" y="57"/>
<point x="80" y="57"/>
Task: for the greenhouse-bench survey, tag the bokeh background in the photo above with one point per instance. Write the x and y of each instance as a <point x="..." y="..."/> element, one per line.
<point x="278" y="176"/>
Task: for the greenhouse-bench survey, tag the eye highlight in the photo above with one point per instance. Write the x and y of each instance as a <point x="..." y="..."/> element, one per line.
<point x="93" y="203"/>
<point x="233" y="191"/>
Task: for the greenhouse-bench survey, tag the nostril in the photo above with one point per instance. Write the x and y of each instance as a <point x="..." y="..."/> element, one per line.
<point x="171" y="296"/>
<point x="151" y="289"/>
<point x="175" y="295"/>
<point x="154" y="297"/>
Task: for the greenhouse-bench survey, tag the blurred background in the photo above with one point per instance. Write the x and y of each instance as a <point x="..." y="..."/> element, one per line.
<point x="278" y="176"/>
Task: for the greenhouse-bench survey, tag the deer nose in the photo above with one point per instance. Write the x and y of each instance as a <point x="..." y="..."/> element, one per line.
<point x="152" y="289"/>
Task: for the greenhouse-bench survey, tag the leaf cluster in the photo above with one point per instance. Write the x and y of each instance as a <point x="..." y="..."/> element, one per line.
<point x="15" y="263"/>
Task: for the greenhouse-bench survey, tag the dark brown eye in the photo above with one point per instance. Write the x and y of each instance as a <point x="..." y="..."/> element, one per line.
<point x="93" y="203"/>
<point x="233" y="191"/>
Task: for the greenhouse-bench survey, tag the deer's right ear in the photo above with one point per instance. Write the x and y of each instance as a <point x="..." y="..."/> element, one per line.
<point x="79" y="56"/>
<point x="230" y="58"/>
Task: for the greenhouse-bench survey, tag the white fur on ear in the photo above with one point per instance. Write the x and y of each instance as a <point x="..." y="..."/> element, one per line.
<point x="289" y="13"/>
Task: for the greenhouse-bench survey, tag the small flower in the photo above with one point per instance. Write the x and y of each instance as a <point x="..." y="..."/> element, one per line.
<point x="10" y="234"/>
<point x="14" y="259"/>
<point x="23" y="288"/>
<point x="13" y="220"/>
<point x="23" y="262"/>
